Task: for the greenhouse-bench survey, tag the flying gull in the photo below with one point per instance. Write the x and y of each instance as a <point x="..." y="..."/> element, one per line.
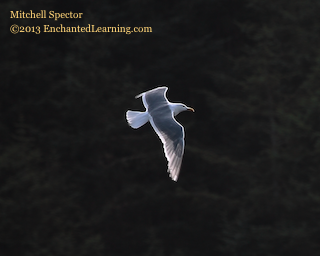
<point x="160" y="113"/>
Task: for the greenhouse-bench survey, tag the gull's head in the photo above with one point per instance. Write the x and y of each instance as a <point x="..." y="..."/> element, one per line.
<point x="179" y="107"/>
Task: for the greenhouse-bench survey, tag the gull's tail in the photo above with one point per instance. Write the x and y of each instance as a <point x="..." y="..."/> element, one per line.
<point x="136" y="118"/>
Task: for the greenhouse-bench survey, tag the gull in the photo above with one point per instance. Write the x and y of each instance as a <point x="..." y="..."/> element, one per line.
<point x="160" y="113"/>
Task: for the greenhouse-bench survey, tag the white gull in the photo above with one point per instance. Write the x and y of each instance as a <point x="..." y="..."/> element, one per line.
<point x="160" y="113"/>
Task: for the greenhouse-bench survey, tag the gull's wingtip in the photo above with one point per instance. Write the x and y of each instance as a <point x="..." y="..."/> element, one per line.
<point x="139" y="95"/>
<point x="174" y="177"/>
<point x="160" y="87"/>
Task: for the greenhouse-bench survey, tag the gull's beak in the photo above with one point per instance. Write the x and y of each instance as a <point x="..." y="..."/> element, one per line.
<point x="191" y="109"/>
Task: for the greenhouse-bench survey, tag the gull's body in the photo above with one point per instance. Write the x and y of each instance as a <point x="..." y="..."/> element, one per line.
<point x="160" y="113"/>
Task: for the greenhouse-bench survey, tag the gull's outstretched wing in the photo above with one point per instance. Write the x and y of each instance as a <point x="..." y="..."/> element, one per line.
<point x="154" y="98"/>
<point x="168" y="129"/>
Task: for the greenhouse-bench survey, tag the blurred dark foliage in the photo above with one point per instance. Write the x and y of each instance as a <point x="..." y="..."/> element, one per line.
<point x="75" y="179"/>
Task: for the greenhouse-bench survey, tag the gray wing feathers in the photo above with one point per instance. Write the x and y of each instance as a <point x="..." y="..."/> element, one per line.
<point x="171" y="134"/>
<point x="168" y="129"/>
<point x="174" y="154"/>
<point x="154" y="98"/>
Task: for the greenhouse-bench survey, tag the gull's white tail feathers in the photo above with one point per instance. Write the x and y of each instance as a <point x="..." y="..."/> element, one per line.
<point x="136" y="118"/>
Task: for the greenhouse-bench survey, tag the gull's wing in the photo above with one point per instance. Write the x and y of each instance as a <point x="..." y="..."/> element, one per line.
<point x="168" y="129"/>
<point x="154" y="98"/>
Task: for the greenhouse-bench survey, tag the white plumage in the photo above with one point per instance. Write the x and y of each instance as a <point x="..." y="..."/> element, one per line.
<point x="160" y="113"/>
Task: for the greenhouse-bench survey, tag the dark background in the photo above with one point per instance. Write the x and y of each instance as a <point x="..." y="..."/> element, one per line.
<point x="76" y="180"/>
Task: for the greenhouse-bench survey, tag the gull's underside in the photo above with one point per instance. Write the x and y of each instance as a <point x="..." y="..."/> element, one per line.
<point x="160" y="113"/>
